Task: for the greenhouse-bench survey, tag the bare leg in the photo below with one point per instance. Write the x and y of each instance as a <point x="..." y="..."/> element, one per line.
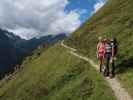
<point x="101" y="64"/>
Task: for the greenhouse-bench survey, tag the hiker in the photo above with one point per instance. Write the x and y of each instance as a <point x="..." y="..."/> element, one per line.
<point x="114" y="46"/>
<point x="108" y="56"/>
<point x="111" y="51"/>
<point x="101" y="52"/>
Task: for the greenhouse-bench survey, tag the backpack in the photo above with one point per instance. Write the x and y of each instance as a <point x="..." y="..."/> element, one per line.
<point x="115" y="47"/>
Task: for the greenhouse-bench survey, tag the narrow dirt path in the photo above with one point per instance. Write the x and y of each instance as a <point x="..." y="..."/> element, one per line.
<point x="119" y="91"/>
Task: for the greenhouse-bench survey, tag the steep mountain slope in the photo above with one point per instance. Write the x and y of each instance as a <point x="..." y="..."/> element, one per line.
<point x="9" y="54"/>
<point x="13" y="49"/>
<point x="54" y="74"/>
<point x="115" y="19"/>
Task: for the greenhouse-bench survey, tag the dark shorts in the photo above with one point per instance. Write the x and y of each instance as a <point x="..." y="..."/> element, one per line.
<point x="108" y="56"/>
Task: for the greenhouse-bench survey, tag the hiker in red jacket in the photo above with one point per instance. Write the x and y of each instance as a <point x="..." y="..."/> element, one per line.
<point x="101" y="50"/>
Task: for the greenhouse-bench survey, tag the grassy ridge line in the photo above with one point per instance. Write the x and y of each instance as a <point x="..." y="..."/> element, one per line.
<point x="114" y="19"/>
<point x="56" y="75"/>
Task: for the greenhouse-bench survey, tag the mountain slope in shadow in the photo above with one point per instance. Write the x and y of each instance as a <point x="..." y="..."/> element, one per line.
<point x="13" y="49"/>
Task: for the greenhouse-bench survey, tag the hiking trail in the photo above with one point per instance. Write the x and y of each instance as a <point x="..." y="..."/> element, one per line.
<point x="119" y="91"/>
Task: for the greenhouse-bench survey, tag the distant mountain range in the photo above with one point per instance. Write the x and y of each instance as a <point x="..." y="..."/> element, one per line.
<point x="13" y="48"/>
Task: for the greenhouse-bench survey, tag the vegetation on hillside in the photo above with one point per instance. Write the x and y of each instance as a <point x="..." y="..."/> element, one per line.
<point x="54" y="74"/>
<point x="115" y="19"/>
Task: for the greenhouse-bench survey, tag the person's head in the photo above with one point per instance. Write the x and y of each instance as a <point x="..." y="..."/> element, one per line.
<point x="100" y="39"/>
<point x="113" y="39"/>
<point x="106" y="40"/>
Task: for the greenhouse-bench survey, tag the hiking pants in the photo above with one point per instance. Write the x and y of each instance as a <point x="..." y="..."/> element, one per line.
<point x="110" y="68"/>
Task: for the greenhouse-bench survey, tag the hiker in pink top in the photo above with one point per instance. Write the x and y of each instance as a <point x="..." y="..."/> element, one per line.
<point x="101" y="50"/>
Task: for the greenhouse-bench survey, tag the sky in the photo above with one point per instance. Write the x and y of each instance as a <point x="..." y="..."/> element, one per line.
<point x="32" y="18"/>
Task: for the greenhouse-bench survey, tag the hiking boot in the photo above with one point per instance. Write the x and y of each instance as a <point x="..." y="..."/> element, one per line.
<point x="106" y="74"/>
<point x="111" y="75"/>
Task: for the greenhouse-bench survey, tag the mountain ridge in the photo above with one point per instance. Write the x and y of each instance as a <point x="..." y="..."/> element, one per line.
<point x="14" y="49"/>
<point x="54" y="74"/>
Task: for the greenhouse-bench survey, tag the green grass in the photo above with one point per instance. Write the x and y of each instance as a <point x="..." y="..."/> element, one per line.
<point x="54" y="74"/>
<point x="114" y="19"/>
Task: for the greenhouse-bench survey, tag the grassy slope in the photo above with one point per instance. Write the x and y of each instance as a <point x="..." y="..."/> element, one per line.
<point x="114" y="19"/>
<point x="55" y="75"/>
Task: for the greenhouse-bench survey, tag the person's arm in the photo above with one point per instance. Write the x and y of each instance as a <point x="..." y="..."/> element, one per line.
<point x="113" y="49"/>
<point x="97" y="50"/>
<point x="113" y="52"/>
<point x="98" y="47"/>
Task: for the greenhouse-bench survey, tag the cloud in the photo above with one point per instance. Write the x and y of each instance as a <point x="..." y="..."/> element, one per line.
<point x="32" y="18"/>
<point x="98" y="5"/>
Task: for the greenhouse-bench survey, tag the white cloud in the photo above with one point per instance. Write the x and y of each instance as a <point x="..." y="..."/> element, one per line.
<point x="98" y="5"/>
<point x="32" y="18"/>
